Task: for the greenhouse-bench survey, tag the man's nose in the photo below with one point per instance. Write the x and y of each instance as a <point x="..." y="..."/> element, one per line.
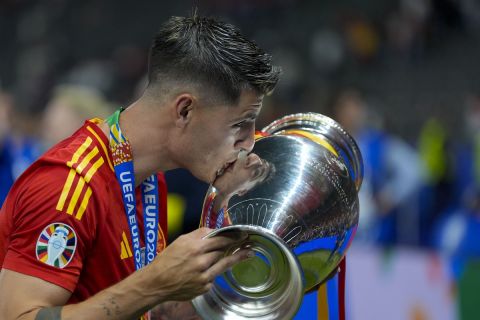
<point x="247" y="142"/>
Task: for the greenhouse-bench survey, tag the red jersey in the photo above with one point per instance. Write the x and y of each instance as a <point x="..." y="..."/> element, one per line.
<point x="64" y="220"/>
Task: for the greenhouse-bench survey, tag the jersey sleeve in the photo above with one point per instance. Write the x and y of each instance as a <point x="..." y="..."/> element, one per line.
<point x="54" y="213"/>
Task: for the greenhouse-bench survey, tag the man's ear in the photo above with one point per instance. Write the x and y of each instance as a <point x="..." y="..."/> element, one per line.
<point x="184" y="104"/>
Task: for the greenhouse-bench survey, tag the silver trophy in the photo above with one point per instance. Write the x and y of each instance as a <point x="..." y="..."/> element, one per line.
<point x="301" y="218"/>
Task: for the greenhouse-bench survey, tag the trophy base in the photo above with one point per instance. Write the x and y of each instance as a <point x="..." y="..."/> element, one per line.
<point x="269" y="285"/>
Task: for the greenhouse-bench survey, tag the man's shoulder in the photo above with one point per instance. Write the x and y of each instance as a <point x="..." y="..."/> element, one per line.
<point x="86" y="151"/>
<point x="70" y="174"/>
<point x="86" y="160"/>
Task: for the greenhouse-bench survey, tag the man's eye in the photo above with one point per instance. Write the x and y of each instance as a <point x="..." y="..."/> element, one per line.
<point x="247" y="121"/>
<point x="241" y="123"/>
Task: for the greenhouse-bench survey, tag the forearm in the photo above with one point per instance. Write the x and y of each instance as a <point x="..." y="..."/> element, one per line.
<point x="175" y="310"/>
<point x="182" y="271"/>
<point x="128" y="299"/>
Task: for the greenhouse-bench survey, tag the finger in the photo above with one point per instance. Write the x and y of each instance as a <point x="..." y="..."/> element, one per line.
<point x="223" y="242"/>
<point x="218" y="243"/>
<point x="233" y="233"/>
<point x="229" y="261"/>
<point x="207" y="260"/>
<point x="201" y="232"/>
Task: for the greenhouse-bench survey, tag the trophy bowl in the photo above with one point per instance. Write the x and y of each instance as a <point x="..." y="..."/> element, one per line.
<point x="301" y="218"/>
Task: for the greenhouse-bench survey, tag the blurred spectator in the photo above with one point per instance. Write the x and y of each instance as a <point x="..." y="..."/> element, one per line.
<point x="467" y="151"/>
<point x="436" y="194"/>
<point x="17" y="147"/>
<point x="362" y="38"/>
<point x="327" y="50"/>
<point x="406" y="28"/>
<point x="94" y="74"/>
<point x="69" y="107"/>
<point x="457" y="233"/>
<point x="392" y="175"/>
<point x="6" y="173"/>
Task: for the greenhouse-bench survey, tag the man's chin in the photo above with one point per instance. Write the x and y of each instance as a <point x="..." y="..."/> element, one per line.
<point x="215" y="179"/>
<point x="203" y="176"/>
<point x="212" y="178"/>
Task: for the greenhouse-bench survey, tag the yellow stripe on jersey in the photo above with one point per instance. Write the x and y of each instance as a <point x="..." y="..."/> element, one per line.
<point x="79" y="152"/>
<point x="93" y="169"/>
<point x="66" y="190"/>
<point x="96" y="120"/>
<point x="84" y="204"/>
<point x="127" y="244"/>
<point x="82" y="180"/>
<point x="76" y="195"/>
<point x="104" y="148"/>
<point x="123" y="251"/>
<point x="71" y="175"/>
<point x="87" y="160"/>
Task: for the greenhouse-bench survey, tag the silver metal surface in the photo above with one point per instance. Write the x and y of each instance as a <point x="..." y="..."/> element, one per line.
<point x="307" y="206"/>
<point x="268" y="286"/>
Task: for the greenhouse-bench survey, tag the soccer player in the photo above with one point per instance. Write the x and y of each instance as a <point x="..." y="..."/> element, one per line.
<point x="80" y="229"/>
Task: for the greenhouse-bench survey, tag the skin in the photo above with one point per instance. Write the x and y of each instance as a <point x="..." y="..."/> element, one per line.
<point x="180" y="130"/>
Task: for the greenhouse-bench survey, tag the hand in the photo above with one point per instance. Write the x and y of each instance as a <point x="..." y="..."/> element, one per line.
<point x="187" y="267"/>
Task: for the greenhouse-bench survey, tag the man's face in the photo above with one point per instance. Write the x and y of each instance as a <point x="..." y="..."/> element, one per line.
<point x="218" y="133"/>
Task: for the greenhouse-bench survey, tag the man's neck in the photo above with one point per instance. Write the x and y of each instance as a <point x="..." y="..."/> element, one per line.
<point x="148" y="143"/>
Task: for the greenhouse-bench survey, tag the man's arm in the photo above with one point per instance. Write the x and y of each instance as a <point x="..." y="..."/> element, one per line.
<point x="175" y="310"/>
<point x="184" y="270"/>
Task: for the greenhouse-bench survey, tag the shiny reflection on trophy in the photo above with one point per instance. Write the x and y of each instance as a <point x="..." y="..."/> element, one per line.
<point x="301" y="215"/>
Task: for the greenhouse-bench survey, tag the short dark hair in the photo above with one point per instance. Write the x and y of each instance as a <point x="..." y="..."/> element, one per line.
<point x="210" y="53"/>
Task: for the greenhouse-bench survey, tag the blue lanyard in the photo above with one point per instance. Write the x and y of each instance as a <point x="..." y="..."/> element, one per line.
<point x="124" y="170"/>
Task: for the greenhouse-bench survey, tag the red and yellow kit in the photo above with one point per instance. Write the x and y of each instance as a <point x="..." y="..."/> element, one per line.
<point x="64" y="219"/>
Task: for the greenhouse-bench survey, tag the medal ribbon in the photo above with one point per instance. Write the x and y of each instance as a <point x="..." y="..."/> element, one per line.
<point x="123" y="166"/>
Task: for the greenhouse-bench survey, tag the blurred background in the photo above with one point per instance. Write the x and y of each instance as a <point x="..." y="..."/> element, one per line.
<point x="402" y="76"/>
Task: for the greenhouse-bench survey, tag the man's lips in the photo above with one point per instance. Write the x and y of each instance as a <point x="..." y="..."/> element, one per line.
<point x="226" y="166"/>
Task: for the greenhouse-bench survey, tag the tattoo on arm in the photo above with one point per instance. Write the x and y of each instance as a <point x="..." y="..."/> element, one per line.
<point x="53" y="313"/>
<point x="111" y="308"/>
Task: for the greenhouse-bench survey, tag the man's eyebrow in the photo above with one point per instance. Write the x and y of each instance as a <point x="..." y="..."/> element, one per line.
<point x="249" y="115"/>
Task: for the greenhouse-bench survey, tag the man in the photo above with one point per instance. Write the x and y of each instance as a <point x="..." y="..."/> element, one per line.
<point x="6" y="159"/>
<point x="66" y="110"/>
<point x="65" y="218"/>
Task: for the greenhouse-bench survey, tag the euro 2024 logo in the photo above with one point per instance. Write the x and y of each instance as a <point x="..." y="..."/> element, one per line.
<point x="56" y="245"/>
